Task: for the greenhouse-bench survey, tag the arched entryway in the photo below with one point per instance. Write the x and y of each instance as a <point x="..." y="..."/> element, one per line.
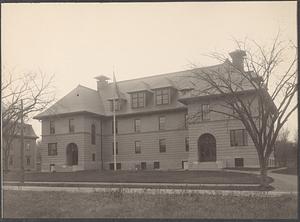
<point x="207" y="148"/>
<point x="72" y="154"/>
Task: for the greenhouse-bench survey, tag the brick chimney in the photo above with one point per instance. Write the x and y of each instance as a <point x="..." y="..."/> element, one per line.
<point x="237" y="57"/>
<point x="102" y="82"/>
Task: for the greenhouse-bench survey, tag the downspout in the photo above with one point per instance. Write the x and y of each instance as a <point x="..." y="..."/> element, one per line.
<point x="101" y="144"/>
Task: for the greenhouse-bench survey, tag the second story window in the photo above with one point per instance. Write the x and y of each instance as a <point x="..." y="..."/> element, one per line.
<point x="205" y="111"/>
<point x="161" y="123"/>
<point x="93" y="134"/>
<point x="187" y="144"/>
<point x="162" y="96"/>
<point x="186" y="121"/>
<point x="138" y="100"/>
<point x="71" y="126"/>
<point x="52" y="149"/>
<point x="137" y="125"/>
<point x="117" y="103"/>
<point x="137" y="146"/>
<point x="162" y="145"/>
<point x="52" y="127"/>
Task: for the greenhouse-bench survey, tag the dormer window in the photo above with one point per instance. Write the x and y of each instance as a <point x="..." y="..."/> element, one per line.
<point x="118" y="104"/>
<point x="162" y="96"/>
<point x="138" y="100"/>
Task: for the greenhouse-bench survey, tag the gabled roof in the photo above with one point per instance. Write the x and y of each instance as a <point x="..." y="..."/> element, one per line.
<point x="80" y="99"/>
<point x="28" y="131"/>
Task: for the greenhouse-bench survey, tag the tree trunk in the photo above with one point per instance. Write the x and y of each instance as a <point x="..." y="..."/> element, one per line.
<point x="263" y="173"/>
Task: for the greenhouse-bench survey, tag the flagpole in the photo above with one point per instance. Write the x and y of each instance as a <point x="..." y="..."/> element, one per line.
<point x="114" y="123"/>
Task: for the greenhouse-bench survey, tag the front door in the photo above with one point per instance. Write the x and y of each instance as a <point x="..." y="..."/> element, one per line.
<point x="207" y="148"/>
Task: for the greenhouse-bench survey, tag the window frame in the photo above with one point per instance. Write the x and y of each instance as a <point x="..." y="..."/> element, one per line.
<point x="234" y="141"/>
<point x="52" y="153"/>
<point x="162" y="146"/>
<point x="205" y="113"/>
<point x="162" y="96"/>
<point x="52" y="127"/>
<point x="161" y="125"/>
<point x="156" y="165"/>
<point x="71" y="126"/>
<point x="28" y="162"/>
<point x="117" y="150"/>
<point x="187" y="144"/>
<point x="118" y="104"/>
<point x="138" y="100"/>
<point x="93" y="134"/>
<point x="137" y="147"/>
<point x="112" y="126"/>
<point x="137" y="129"/>
<point x="93" y="157"/>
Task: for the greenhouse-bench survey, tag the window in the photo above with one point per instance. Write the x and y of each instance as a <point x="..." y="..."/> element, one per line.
<point x="52" y="149"/>
<point x="28" y="160"/>
<point x="52" y="127"/>
<point x="186" y="121"/>
<point x="143" y="165"/>
<point x="71" y="126"/>
<point x="116" y="149"/>
<point x="161" y="123"/>
<point x="27" y="147"/>
<point x="137" y="146"/>
<point x="137" y="125"/>
<point x="93" y="157"/>
<point x="162" y="96"/>
<point x="205" y="111"/>
<point x="187" y="144"/>
<point x="239" y="162"/>
<point x="138" y="100"/>
<point x="93" y="134"/>
<point x="162" y="145"/>
<point x="11" y="160"/>
<point x="118" y="105"/>
<point x="111" y="166"/>
<point x="112" y="126"/>
<point x="156" y="165"/>
<point x="238" y="137"/>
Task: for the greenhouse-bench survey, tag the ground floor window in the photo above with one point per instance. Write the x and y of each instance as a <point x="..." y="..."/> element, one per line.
<point x="143" y="165"/>
<point x="27" y="160"/>
<point x="156" y="165"/>
<point x="93" y="157"/>
<point x="239" y="162"/>
<point x="111" y="166"/>
<point x="52" y="149"/>
<point x="184" y="164"/>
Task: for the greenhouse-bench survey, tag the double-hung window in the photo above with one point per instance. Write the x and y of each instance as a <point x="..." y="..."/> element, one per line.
<point x="138" y="100"/>
<point x="162" y="96"/>
<point x="238" y="137"/>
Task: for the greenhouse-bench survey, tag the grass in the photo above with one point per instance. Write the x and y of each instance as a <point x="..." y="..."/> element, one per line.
<point x="194" y="177"/>
<point x="117" y="204"/>
<point x="288" y="171"/>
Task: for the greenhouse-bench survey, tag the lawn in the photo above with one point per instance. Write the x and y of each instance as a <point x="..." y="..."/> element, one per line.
<point x="194" y="177"/>
<point x="288" y="171"/>
<point x="30" y="204"/>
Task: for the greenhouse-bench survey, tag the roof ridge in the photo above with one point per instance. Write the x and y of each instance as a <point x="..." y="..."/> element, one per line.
<point x="163" y="74"/>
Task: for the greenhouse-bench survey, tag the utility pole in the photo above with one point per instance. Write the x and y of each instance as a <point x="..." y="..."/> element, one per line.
<point x="22" y="143"/>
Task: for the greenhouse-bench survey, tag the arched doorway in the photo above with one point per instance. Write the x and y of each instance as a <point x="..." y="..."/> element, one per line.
<point x="72" y="154"/>
<point x="207" y="148"/>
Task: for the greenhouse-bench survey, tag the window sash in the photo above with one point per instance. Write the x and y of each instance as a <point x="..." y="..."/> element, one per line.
<point x="71" y="126"/>
<point x="161" y="123"/>
<point x="52" y="127"/>
<point x="93" y="134"/>
<point x="238" y="137"/>
<point x="187" y="144"/>
<point x="52" y="149"/>
<point x="162" y="96"/>
<point x="138" y="100"/>
<point x="137" y="125"/>
<point x="137" y="146"/>
<point x="205" y="111"/>
<point x="162" y="145"/>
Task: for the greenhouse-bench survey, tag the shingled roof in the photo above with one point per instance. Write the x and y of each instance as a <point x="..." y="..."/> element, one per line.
<point x="83" y="99"/>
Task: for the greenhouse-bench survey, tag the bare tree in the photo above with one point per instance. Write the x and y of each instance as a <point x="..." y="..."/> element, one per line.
<point x="259" y="86"/>
<point x="36" y="92"/>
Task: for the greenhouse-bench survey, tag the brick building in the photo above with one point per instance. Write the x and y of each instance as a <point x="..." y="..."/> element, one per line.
<point x="154" y="128"/>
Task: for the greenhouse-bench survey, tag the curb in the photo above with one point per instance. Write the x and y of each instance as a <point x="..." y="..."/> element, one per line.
<point x="148" y="190"/>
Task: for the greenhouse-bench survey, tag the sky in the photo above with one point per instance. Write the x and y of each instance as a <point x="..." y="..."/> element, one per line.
<point x="78" y="41"/>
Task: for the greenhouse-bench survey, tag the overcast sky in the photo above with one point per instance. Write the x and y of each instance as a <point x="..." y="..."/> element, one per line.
<point x="77" y="42"/>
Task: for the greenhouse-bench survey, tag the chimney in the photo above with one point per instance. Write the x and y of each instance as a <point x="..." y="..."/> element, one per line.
<point x="237" y="57"/>
<point x="102" y="82"/>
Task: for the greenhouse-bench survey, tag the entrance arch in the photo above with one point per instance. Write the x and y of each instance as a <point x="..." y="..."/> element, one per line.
<point x="207" y="148"/>
<point x="72" y="154"/>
